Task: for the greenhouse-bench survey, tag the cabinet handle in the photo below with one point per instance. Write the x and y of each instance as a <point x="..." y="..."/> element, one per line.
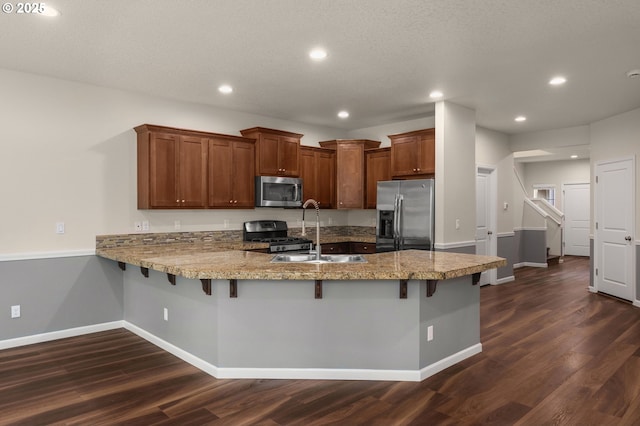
<point x="418" y="168"/>
<point x="364" y="247"/>
<point x="235" y="201"/>
<point x="230" y="201"/>
<point x="177" y="201"/>
<point x="183" y="201"/>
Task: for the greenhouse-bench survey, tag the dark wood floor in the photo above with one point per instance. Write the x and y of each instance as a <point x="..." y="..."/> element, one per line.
<point x="553" y="353"/>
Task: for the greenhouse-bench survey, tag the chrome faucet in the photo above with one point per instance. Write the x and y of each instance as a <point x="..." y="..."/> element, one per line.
<point x="318" y="252"/>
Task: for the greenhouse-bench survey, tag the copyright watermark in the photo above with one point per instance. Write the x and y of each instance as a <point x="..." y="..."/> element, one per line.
<point x="24" y="8"/>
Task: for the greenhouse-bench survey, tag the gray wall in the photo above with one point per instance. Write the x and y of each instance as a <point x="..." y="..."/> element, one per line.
<point x="454" y="312"/>
<point x="508" y="249"/>
<point x="357" y="324"/>
<point x="59" y="294"/>
<point x="534" y="246"/>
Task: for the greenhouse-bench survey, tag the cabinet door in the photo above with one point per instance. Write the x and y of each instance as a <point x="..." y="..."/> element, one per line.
<point x="243" y="174"/>
<point x="362" y="248"/>
<point x="163" y="170"/>
<point x="308" y="173"/>
<point x="378" y="168"/>
<point x="427" y="162"/>
<point x="404" y="155"/>
<point x="350" y="176"/>
<point x="220" y="173"/>
<point x="335" y="248"/>
<point x="193" y="172"/>
<point x="289" y="156"/>
<point x="325" y="179"/>
<point x="268" y="156"/>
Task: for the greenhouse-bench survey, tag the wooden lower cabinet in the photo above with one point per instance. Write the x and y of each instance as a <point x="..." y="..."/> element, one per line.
<point x="231" y="173"/>
<point x="317" y="170"/>
<point x="348" y="247"/>
<point x="378" y="167"/>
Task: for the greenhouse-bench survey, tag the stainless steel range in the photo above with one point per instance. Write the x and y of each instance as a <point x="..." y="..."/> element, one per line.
<point x="275" y="233"/>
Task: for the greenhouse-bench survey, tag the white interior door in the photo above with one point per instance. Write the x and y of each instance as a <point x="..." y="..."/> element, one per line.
<point x="615" y="215"/>
<point x="486" y="243"/>
<point x="577" y="218"/>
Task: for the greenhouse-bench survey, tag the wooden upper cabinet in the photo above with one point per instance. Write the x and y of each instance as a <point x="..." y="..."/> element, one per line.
<point x="350" y="170"/>
<point x="413" y="154"/>
<point x="317" y="170"/>
<point x="378" y="167"/>
<point x="172" y="169"/>
<point x="180" y="168"/>
<point x="277" y="151"/>
<point x="231" y="172"/>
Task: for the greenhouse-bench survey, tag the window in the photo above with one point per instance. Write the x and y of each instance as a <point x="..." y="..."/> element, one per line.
<point x="548" y="192"/>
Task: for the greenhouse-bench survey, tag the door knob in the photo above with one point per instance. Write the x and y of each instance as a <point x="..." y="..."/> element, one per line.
<point x="628" y="238"/>
<point x="489" y="232"/>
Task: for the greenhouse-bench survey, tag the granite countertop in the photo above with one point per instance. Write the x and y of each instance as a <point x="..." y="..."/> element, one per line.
<point x="229" y="260"/>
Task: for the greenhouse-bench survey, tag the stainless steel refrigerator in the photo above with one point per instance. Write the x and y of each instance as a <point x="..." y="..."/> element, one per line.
<point x="405" y="215"/>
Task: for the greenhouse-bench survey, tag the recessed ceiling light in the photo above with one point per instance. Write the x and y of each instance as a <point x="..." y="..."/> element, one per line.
<point x="49" y="11"/>
<point x="318" y="54"/>
<point x="436" y="94"/>
<point x="633" y="73"/>
<point x="574" y="156"/>
<point x="521" y="118"/>
<point x="343" y="114"/>
<point x="225" y="88"/>
<point x="557" y="81"/>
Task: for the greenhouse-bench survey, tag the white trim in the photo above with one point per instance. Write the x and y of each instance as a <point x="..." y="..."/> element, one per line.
<point x="306" y="373"/>
<point x="592" y="289"/>
<point x="532" y="264"/>
<point x="459" y="244"/>
<point x="505" y="280"/>
<point x="506" y="234"/>
<point x="46" y="255"/>
<point x="530" y="228"/>
<point x="253" y="373"/>
<point x="447" y="362"/>
<point x="61" y="334"/>
<point x="535" y="207"/>
<point x="319" y="374"/>
<point x="636" y="303"/>
<point x="174" y="350"/>
<point x="543" y="185"/>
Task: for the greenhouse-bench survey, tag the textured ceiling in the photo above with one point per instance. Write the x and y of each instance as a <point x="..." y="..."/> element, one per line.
<point x="495" y="56"/>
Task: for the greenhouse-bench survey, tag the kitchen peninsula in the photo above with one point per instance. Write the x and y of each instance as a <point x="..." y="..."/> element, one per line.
<point x="231" y="312"/>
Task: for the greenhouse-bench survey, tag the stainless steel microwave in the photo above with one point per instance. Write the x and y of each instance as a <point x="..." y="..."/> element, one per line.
<point x="274" y="191"/>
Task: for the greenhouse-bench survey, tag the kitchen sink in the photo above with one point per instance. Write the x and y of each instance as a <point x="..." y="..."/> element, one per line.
<point x="325" y="258"/>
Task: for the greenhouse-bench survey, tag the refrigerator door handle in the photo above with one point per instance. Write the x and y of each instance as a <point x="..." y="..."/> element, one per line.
<point x="395" y="223"/>
<point x="400" y="236"/>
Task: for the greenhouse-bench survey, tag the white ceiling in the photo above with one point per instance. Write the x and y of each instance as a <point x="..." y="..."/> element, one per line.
<point x="495" y="56"/>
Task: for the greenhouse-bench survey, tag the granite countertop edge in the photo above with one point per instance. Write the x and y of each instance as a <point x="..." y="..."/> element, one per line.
<point x="233" y="260"/>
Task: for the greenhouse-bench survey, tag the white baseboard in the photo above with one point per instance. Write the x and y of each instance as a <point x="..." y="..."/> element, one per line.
<point x="174" y="350"/>
<point x="533" y="264"/>
<point x="305" y="373"/>
<point x="447" y="362"/>
<point x="459" y="244"/>
<point x="636" y="303"/>
<point x="505" y="280"/>
<point x="62" y="334"/>
<point x="592" y="289"/>
<point x="254" y="373"/>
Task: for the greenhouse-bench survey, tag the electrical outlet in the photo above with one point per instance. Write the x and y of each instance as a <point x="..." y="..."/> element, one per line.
<point x="176" y="225"/>
<point x="457" y="223"/>
<point x="137" y="226"/>
<point x="15" y="311"/>
<point x="60" y="228"/>
<point x="145" y="225"/>
<point x="166" y="314"/>
<point x="226" y="223"/>
<point x="429" y="333"/>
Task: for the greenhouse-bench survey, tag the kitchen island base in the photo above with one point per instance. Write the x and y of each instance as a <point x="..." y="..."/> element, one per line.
<point x="277" y="329"/>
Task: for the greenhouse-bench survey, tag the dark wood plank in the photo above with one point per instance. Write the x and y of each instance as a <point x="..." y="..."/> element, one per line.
<point x="553" y="353"/>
